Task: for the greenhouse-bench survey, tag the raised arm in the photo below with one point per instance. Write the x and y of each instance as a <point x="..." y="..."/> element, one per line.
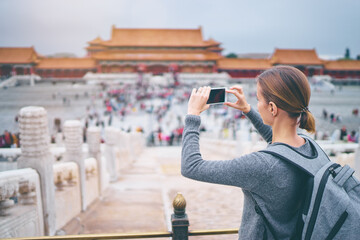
<point x="242" y="105"/>
<point x="247" y="172"/>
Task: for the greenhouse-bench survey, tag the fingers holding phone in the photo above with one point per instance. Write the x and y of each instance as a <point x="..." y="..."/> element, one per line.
<point x="217" y="96"/>
<point x="241" y="103"/>
<point x="198" y="100"/>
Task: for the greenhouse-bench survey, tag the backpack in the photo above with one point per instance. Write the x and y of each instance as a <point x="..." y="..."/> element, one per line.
<point x="331" y="206"/>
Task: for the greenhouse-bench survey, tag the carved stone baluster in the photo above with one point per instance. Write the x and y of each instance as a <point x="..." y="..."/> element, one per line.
<point x="59" y="183"/>
<point x="73" y="143"/>
<point x="93" y="140"/>
<point x="35" y="142"/>
<point x="71" y="181"/>
<point x="7" y="190"/>
<point x="357" y="160"/>
<point x="5" y="205"/>
<point x="27" y="192"/>
<point x="111" y="138"/>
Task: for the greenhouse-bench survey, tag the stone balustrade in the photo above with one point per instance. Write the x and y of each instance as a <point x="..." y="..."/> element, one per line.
<point x="93" y="136"/>
<point x="67" y="194"/>
<point x="8" y="158"/>
<point x="91" y="183"/>
<point x="50" y="193"/>
<point x="73" y="133"/>
<point x="21" y="211"/>
<point x="73" y="140"/>
<point x="124" y="154"/>
<point x="111" y="141"/>
<point x="35" y="153"/>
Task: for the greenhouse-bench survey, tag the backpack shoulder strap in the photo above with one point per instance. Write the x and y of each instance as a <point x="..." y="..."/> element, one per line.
<point x="308" y="164"/>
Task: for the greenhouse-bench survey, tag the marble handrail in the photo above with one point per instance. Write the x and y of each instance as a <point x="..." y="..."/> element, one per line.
<point x="20" y="204"/>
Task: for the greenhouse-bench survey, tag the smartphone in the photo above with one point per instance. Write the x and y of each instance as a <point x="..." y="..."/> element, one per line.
<point x="217" y="95"/>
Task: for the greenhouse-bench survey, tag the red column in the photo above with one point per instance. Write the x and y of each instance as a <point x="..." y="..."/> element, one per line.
<point x="98" y="69"/>
<point x="13" y="71"/>
<point x="214" y="68"/>
<point x="306" y="71"/>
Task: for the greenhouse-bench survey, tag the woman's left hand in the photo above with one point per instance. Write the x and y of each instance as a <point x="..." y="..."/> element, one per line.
<point x="198" y="99"/>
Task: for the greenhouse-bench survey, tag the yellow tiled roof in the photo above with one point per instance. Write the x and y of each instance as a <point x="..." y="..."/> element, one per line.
<point x="343" y="65"/>
<point x="156" y="56"/>
<point x="19" y="55"/>
<point x="97" y="40"/>
<point x="66" y="63"/>
<point x="158" y="38"/>
<point x="96" y="47"/>
<point x="212" y="42"/>
<point x="295" y="57"/>
<point x="243" y="63"/>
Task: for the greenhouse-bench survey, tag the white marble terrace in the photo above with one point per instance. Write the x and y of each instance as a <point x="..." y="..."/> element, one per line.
<point x="35" y="191"/>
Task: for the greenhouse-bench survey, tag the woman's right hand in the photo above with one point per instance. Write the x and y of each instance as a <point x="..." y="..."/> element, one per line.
<point x="241" y="103"/>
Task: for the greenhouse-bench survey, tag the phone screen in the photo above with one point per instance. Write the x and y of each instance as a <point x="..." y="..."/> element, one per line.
<point x="217" y="95"/>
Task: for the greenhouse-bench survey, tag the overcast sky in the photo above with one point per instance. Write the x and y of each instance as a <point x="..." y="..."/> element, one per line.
<point x="242" y="26"/>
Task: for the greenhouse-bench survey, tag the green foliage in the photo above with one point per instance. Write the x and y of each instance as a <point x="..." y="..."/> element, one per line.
<point x="347" y="54"/>
<point x="231" y="55"/>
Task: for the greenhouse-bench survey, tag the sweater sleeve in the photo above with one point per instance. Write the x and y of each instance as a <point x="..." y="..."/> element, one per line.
<point x="264" y="130"/>
<point x="246" y="172"/>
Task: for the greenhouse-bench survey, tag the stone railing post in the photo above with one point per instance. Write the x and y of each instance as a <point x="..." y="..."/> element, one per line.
<point x="73" y="144"/>
<point x="111" y="139"/>
<point x="16" y="219"/>
<point x="179" y="220"/>
<point x="357" y="159"/>
<point x="35" y="143"/>
<point x="93" y="136"/>
<point x="6" y="192"/>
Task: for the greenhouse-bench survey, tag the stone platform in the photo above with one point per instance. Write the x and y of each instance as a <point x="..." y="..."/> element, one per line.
<point x="141" y="200"/>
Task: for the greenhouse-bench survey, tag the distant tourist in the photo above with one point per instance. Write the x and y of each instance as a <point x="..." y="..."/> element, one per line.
<point x="352" y="137"/>
<point x="9" y="140"/>
<point x="343" y="133"/>
<point x="355" y="112"/>
<point x="325" y="114"/>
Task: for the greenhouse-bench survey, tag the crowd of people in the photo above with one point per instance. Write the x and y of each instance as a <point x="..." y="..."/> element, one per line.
<point x="122" y="101"/>
<point x="9" y="140"/>
<point x="344" y="135"/>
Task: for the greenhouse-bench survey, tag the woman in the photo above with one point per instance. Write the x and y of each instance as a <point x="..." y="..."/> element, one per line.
<point x="283" y="95"/>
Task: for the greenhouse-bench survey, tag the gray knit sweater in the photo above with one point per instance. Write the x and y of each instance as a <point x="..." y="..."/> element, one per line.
<point x="274" y="184"/>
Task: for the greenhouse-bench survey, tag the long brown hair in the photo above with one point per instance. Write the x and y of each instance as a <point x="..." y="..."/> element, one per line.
<point x="289" y="89"/>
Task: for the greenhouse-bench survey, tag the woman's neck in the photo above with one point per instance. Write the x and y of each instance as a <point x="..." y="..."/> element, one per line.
<point x="284" y="131"/>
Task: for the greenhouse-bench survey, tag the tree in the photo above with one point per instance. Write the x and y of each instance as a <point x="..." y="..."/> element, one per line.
<point x="231" y="55"/>
<point x="347" y="53"/>
<point x="358" y="57"/>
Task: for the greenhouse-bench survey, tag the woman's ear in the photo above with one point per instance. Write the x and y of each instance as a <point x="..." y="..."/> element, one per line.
<point x="273" y="108"/>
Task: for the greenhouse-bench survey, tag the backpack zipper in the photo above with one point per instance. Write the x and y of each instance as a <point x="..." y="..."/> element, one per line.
<point x="318" y="198"/>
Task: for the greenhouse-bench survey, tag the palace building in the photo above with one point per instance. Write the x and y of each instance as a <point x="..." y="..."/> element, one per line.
<point x="243" y="67"/>
<point x="18" y="61"/>
<point x="155" y="51"/>
<point x="159" y="51"/>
